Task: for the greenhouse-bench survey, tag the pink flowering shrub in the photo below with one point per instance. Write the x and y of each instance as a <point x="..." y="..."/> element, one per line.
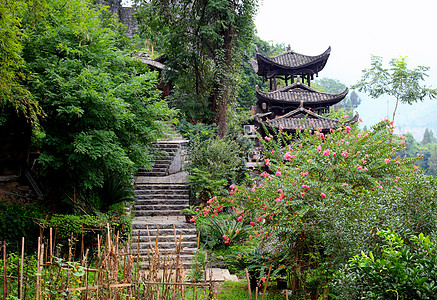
<point x="328" y="205"/>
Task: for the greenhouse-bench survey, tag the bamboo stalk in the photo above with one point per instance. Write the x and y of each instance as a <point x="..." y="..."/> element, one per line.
<point x="5" y="286"/>
<point x="37" y="267"/>
<point x="51" y="244"/>
<point x="267" y="282"/>
<point x="20" y="292"/>
<point x="248" y="285"/>
<point x="256" y="293"/>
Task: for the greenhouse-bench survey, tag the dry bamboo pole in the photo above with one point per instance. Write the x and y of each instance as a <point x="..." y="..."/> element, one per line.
<point x="20" y="291"/>
<point x="286" y="294"/>
<point x="256" y="293"/>
<point x="37" y="267"/>
<point x="5" y="285"/>
<point x="248" y="285"/>
<point x="98" y="245"/>
<point x="204" y="288"/>
<point x="197" y="257"/>
<point x="51" y="244"/>
<point x="267" y="282"/>
<point x="86" y="273"/>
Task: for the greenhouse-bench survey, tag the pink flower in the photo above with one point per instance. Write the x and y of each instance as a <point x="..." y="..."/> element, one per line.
<point x="225" y="237"/>
<point x="345" y="154"/>
<point x="237" y="231"/>
<point x="387" y="160"/>
<point x="251" y="223"/>
<point x="397" y="178"/>
<point x="322" y="136"/>
<point x="260" y="219"/>
<point x="323" y="195"/>
<point x="334" y="154"/>
<point x="267" y="138"/>
<point x="345" y="184"/>
<point x="348" y="129"/>
<point x="302" y="194"/>
<point x="287" y="156"/>
<point x="358" y="135"/>
<point x="264" y="174"/>
<point x="263" y="278"/>
<point x="365" y="169"/>
<point x="415" y="168"/>
<point x="326" y="152"/>
<point x="360" y="119"/>
<point x="240" y="218"/>
<point x="359" y="167"/>
<point x="278" y="173"/>
<point x="345" y="117"/>
<point x="319" y="148"/>
<point x="232" y="186"/>
<point x="300" y="145"/>
<point x="256" y="233"/>
<point x="268" y="163"/>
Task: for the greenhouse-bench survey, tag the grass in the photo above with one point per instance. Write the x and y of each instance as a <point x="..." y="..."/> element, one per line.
<point x="230" y="290"/>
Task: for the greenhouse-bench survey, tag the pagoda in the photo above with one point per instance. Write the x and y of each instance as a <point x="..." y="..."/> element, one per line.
<point x="296" y="106"/>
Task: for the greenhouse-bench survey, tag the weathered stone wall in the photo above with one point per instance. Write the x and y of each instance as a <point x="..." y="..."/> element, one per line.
<point x="126" y="15"/>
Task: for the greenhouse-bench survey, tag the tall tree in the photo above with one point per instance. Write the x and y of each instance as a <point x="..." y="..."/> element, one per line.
<point x="203" y="42"/>
<point x="428" y="137"/>
<point x="398" y="81"/>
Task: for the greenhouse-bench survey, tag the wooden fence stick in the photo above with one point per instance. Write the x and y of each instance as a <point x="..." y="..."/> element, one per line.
<point x="5" y="286"/>
<point x="248" y="285"/>
<point x="20" y="292"/>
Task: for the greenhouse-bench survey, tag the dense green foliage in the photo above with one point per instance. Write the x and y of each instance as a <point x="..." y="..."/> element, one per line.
<point x="102" y="111"/>
<point x="203" y="42"/>
<point x="398" y="81"/>
<point x="13" y="92"/>
<point x="404" y="271"/>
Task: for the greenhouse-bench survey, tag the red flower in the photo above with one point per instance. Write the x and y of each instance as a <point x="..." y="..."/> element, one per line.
<point x="323" y="195"/>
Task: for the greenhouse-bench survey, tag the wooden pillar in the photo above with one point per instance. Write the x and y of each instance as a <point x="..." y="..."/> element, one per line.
<point x="309" y="80"/>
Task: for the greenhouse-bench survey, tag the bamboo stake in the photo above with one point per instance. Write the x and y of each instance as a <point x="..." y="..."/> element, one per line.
<point x="256" y="293"/>
<point x="286" y="294"/>
<point x="267" y="282"/>
<point x="20" y="293"/>
<point x="204" y="288"/>
<point x="51" y="244"/>
<point x="37" y="267"/>
<point x="248" y="285"/>
<point x="5" y="286"/>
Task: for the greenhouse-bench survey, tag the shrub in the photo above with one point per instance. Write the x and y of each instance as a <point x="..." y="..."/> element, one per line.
<point x="403" y="271"/>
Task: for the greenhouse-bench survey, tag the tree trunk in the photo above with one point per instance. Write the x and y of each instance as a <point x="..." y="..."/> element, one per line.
<point x="396" y="107"/>
<point x="221" y="92"/>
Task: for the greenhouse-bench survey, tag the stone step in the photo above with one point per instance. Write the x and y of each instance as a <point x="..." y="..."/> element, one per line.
<point x="161" y="222"/>
<point x="162" y="191"/>
<point x="159" y="201"/>
<point x="158" y="212"/>
<point x="172" y="196"/>
<point x="163" y="232"/>
<point x="165" y="238"/>
<point x="153" y="174"/>
<point x="161" y="206"/>
<point x="186" y="246"/>
<point x="162" y="186"/>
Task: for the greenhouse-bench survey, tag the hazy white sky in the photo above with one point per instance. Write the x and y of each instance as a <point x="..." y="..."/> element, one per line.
<point x="354" y="30"/>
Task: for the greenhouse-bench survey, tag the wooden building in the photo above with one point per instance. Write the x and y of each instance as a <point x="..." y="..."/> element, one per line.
<point x="296" y="106"/>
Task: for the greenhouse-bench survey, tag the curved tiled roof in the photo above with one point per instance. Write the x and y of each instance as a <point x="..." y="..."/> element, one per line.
<point x="299" y="92"/>
<point x="302" y="118"/>
<point x="290" y="63"/>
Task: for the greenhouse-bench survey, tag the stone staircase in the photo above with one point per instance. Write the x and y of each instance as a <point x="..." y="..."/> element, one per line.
<point x="161" y="195"/>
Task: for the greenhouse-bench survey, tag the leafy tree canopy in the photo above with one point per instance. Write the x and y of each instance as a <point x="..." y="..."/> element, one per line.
<point x="203" y="42"/>
<point x="398" y="81"/>
<point x="102" y="110"/>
